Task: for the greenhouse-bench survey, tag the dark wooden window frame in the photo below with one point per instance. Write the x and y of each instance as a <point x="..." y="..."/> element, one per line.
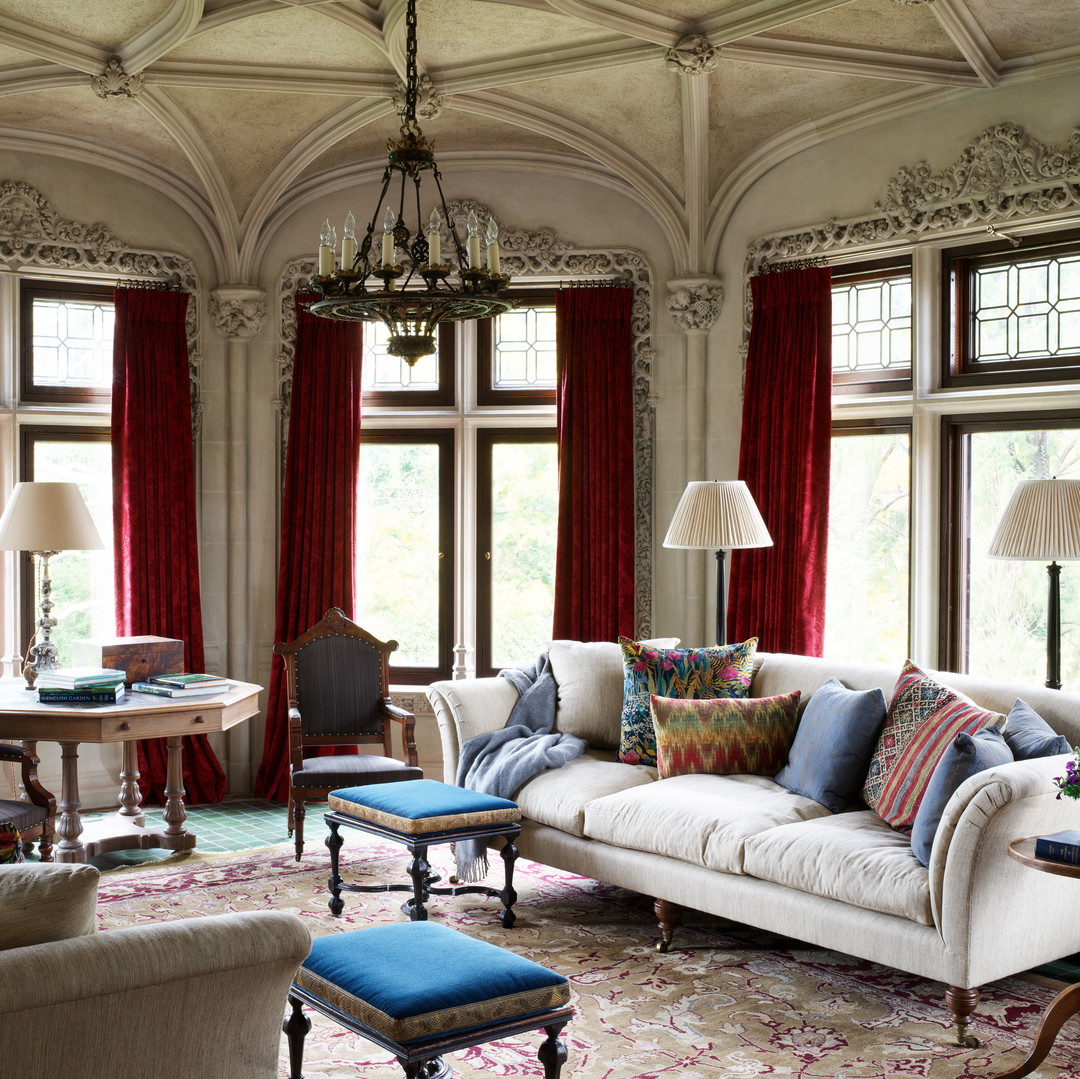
<point x="486" y="392"/>
<point x="486" y="439"/>
<point x="29" y="291"/>
<point x="882" y="380"/>
<point x="443" y="396"/>
<point x="958" y="265"/>
<point x="444" y="439"/>
<point x="29" y="436"/>
<point x="955" y="532"/>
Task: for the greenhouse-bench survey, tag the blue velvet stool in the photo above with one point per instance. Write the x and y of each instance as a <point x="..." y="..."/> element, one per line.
<point x="421" y="990"/>
<point x="419" y="813"/>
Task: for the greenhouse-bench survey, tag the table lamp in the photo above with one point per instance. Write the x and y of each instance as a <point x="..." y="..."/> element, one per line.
<point x="1042" y="521"/>
<point x="717" y="515"/>
<point x="45" y="519"/>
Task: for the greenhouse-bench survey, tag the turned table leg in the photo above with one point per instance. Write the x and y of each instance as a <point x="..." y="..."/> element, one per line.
<point x="130" y="796"/>
<point x="69" y="827"/>
<point x="175" y="814"/>
<point x="1062" y="1008"/>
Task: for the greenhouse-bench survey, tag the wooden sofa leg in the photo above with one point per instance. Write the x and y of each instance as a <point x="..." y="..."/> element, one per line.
<point x="668" y="915"/>
<point x="962" y="1002"/>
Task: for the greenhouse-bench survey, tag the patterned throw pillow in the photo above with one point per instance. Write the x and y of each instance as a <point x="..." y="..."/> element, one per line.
<point x="725" y="736"/>
<point x="10" y="843"/>
<point x="689" y="673"/>
<point x="924" y="718"/>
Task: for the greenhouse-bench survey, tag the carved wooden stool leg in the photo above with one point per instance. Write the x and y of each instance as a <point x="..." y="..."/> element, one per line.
<point x="333" y="843"/>
<point x="668" y="915"/>
<point x="962" y="1002"/>
<point x="552" y="1051"/>
<point x="296" y="1027"/>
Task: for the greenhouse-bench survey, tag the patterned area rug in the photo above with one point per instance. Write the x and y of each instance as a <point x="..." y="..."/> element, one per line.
<point x="728" y="1003"/>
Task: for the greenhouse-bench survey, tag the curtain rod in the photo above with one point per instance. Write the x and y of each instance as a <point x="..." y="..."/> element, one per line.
<point x="167" y="284"/>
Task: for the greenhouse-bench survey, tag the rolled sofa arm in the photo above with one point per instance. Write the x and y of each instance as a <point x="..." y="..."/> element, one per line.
<point x="209" y="995"/>
<point x="467" y="707"/>
<point x="45" y="901"/>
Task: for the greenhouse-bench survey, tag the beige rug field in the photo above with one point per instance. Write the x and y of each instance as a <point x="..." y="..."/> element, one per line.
<point x="727" y="1003"/>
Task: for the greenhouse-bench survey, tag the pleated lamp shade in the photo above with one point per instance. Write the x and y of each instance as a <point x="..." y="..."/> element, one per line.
<point x="48" y="517"/>
<point x="1041" y="522"/>
<point x="717" y="515"/>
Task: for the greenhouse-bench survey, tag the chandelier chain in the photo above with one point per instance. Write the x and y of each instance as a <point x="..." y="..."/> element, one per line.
<point x="411" y="80"/>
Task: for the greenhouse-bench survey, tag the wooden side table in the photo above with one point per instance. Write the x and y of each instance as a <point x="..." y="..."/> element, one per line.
<point x="1067" y="1003"/>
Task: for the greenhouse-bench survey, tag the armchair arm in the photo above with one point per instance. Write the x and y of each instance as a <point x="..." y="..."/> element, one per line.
<point x="37" y="794"/>
<point x="46" y="901"/>
<point x="408" y="730"/>
<point x="465" y="708"/>
<point x="209" y="994"/>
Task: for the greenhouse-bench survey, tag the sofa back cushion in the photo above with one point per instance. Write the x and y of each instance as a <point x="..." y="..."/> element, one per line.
<point x="44" y="901"/>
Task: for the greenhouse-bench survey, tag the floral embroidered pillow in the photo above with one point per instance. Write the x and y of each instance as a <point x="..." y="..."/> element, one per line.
<point x="688" y="673"/>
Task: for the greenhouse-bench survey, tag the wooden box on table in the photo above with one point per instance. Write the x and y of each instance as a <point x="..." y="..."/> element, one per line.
<point x="139" y="657"/>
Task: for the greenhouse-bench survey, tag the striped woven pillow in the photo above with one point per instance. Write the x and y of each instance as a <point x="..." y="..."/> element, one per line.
<point x="923" y="719"/>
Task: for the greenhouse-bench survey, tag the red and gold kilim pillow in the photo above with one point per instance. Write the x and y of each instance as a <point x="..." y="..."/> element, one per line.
<point x="923" y="719"/>
<point x="725" y="735"/>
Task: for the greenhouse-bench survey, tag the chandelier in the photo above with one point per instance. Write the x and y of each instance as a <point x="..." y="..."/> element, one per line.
<point x="402" y="281"/>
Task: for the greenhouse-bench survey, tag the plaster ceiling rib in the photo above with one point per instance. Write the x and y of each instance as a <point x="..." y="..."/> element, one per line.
<point x="221" y="12"/>
<point x="179" y="126"/>
<point x="51" y="45"/>
<point x="209" y="74"/>
<point x="572" y="60"/>
<point x="695" y="112"/>
<point x="761" y="16"/>
<point x="305" y="150"/>
<point x="657" y="196"/>
<point x="968" y="36"/>
<point x="844" y="60"/>
<point x="28" y="78"/>
<point x="179" y="21"/>
<point x="627" y="19"/>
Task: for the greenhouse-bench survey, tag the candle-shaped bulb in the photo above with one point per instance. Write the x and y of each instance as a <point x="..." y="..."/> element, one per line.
<point x="492" y="246"/>
<point x="389" y="221"/>
<point x="327" y="243"/>
<point x="348" y="242"/>
<point x="434" y="238"/>
<point x="473" y="226"/>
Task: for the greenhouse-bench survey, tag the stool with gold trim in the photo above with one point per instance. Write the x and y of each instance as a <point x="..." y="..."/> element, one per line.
<point x="419" y="813"/>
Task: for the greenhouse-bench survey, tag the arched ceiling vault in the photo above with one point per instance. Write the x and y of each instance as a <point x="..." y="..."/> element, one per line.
<point x="243" y="111"/>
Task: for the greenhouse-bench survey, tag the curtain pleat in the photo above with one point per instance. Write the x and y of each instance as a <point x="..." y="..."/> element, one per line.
<point x="318" y="513"/>
<point x="594" y="563"/>
<point x="778" y="593"/>
<point x="157" y="563"/>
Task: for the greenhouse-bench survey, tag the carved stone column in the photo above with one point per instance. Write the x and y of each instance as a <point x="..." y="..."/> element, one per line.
<point x="238" y="313"/>
<point x="694" y="304"/>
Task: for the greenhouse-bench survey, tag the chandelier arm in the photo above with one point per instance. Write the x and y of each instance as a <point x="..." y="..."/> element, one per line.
<point x="419" y="249"/>
<point x="364" y="253"/>
<point x="459" y="250"/>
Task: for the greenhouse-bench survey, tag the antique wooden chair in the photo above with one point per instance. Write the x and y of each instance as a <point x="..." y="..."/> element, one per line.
<point x="36" y="818"/>
<point x="338" y="687"/>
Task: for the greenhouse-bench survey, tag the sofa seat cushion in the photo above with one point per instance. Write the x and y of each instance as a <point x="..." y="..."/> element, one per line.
<point x="853" y="857"/>
<point x="701" y="819"/>
<point x="558" y="797"/>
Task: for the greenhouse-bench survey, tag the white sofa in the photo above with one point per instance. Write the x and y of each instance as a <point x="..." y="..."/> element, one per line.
<point x="746" y="849"/>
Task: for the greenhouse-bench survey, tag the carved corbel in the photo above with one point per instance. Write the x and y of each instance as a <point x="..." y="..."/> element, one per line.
<point x="694" y="304"/>
<point x="693" y="55"/>
<point x="238" y="311"/>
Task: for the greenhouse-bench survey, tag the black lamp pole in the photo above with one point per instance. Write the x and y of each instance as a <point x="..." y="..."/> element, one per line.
<point x="720" y="599"/>
<point x="1053" y="627"/>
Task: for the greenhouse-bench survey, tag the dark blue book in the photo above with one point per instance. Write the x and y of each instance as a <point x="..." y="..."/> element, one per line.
<point x="1059" y="846"/>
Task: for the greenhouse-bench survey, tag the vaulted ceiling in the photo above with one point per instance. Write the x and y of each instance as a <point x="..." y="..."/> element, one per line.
<point x="244" y="107"/>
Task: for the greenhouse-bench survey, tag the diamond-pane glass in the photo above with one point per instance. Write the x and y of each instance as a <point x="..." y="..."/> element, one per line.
<point x="525" y="350"/>
<point x="871" y="325"/>
<point x="381" y="371"/>
<point x="1026" y="311"/>
<point x="73" y="342"/>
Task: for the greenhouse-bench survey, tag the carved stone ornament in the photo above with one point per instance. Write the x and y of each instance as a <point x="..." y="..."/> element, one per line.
<point x="540" y="253"/>
<point x="238" y="313"/>
<point x="695" y="307"/>
<point x="428" y="103"/>
<point x="32" y="233"/>
<point x="912" y="3"/>
<point x="694" y="55"/>
<point x="1003" y="174"/>
<point x="114" y="81"/>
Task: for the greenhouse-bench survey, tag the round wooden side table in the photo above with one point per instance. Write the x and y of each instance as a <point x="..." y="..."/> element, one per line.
<point x="1067" y="1003"/>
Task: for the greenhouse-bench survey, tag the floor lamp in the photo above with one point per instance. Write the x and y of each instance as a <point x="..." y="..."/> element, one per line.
<point x="717" y="515"/>
<point x="1042" y="521"/>
<point x="45" y="519"/>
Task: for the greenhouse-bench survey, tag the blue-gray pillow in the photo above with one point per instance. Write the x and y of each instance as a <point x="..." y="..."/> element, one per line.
<point x="833" y="744"/>
<point x="964" y="757"/>
<point x="1028" y="735"/>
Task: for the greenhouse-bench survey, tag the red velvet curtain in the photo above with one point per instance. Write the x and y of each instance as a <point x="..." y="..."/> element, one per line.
<point x="318" y="513"/>
<point x="594" y="563"/>
<point x="778" y="593"/>
<point x="157" y="563"/>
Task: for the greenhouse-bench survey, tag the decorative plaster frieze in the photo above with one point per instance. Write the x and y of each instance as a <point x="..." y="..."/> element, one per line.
<point x="695" y="304"/>
<point x="428" y="102"/>
<point x="540" y="253"/>
<point x="238" y="311"/>
<point x="32" y="233"/>
<point x="693" y="55"/>
<point x="114" y="81"/>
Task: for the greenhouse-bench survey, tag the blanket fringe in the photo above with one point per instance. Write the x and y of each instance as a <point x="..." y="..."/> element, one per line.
<point x="472" y="865"/>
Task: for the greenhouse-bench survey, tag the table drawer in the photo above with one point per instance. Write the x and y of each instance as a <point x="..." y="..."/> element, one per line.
<point x="121" y="728"/>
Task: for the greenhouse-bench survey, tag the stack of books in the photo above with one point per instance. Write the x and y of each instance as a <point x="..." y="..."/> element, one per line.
<point x="182" y="685"/>
<point x="1059" y="847"/>
<point x="80" y="685"/>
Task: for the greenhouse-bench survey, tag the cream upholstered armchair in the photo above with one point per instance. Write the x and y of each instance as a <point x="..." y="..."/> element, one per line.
<point x="198" y="998"/>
